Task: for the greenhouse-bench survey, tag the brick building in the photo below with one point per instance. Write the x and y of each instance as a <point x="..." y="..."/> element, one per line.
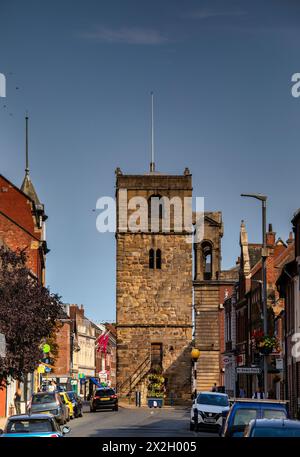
<point x="22" y="228"/>
<point x="106" y="360"/>
<point x="243" y="315"/>
<point x="22" y="224"/>
<point x="62" y="371"/>
<point x="288" y="285"/>
<point x="83" y="353"/>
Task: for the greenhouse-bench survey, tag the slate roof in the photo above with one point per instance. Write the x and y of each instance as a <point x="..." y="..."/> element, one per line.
<point x="28" y="189"/>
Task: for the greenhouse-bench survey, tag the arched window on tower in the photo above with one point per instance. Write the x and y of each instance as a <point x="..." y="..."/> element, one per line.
<point x="158" y="259"/>
<point x="151" y="259"/>
<point x="207" y="260"/>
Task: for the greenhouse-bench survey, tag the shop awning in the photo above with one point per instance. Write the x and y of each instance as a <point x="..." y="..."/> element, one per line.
<point x="96" y="382"/>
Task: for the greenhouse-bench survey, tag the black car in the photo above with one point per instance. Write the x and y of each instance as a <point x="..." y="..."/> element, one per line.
<point x="76" y="402"/>
<point x="104" y="398"/>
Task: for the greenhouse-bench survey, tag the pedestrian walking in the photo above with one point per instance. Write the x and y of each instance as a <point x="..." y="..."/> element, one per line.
<point x="17" y="401"/>
<point x="242" y="393"/>
<point x="258" y="394"/>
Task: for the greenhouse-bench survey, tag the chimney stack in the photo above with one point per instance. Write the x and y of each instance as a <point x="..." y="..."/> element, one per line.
<point x="270" y="236"/>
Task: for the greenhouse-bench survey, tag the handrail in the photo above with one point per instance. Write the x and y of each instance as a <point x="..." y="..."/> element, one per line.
<point x="133" y="379"/>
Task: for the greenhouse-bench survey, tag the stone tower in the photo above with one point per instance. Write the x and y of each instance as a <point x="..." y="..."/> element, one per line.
<point x="210" y="286"/>
<point x="153" y="289"/>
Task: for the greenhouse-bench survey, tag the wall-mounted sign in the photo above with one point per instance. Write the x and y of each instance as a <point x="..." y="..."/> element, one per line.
<point x="248" y="370"/>
<point x="46" y="348"/>
<point x="227" y="359"/>
<point x="279" y="364"/>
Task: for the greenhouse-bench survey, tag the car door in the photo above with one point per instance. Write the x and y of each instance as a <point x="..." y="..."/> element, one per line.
<point x="62" y="406"/>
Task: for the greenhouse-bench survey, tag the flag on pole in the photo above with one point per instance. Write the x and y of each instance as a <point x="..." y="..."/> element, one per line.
<point x="102" y="342"/>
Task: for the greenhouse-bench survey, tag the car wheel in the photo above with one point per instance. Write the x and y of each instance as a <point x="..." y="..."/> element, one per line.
<point x="92" y="410"/>
<point x="192" y="426"/>
<point x="116" y="408"/>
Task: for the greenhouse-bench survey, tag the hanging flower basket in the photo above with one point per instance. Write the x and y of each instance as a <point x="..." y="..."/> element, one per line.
<point x="265" y="344"/>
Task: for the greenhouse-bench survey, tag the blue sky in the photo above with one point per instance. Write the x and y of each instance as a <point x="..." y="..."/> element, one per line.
<point x="221" y="73"/>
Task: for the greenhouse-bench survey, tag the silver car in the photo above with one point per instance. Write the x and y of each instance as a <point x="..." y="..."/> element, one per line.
<point x="48" y="402"/>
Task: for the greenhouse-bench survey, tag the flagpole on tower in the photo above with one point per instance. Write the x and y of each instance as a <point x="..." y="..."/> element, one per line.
<point x="152" y="163"/>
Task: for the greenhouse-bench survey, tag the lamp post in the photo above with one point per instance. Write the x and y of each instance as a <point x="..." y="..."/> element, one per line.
<point x="263" y="199"/>
<point x="195" y="354"/>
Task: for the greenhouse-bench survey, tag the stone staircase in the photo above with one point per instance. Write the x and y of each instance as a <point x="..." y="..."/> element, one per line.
<point x="135" y="382"/>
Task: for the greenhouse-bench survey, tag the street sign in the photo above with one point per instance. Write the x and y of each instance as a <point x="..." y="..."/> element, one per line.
<point x="2" y="345"/>
<point x="41" y="369"/>
<point x="47" y="369"/>
<point x="46" y="348"/>
<point x="248" y="370"/>
<point x="279" y="364"/>
<point x="227" y="359"/>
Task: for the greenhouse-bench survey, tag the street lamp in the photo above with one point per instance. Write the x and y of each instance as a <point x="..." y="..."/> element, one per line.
<point x="264" y="255"/>
<point x="195" y="354"/>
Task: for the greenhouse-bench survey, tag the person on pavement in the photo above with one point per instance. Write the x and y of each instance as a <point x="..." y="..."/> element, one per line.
<point x="17" y="401"/>
<point x="259" y="394"/>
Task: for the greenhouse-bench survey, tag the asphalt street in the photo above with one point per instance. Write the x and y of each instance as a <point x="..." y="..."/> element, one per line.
<point x="138" y="422"/>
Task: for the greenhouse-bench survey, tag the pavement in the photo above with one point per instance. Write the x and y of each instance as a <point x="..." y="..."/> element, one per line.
<point x="2" y="422"/>
<point x="135" y="422"/>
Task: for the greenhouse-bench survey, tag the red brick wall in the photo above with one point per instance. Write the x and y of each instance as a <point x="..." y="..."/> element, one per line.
<point x="17" y="225"/>
<point x="62" y="364"/>
<point x="16" y="205"/>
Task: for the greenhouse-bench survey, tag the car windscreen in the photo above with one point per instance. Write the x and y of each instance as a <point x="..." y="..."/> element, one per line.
<point x="276" y="432"/>
<point x="243" y="416"/>
<point x="30" y="426"/>
<point x="274" y="414"/>
<point x="43" y="398"/>
<point x="215" y="400"/>
<point x="104" y="392"/>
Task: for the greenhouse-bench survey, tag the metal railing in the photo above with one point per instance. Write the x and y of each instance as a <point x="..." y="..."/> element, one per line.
<point x="128" y="385"/>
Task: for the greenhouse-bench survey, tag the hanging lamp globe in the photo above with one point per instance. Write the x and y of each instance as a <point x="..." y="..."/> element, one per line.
<point x="195" y="354"/>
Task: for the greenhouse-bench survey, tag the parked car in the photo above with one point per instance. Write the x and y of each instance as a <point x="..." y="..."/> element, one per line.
<point x="104" y="398"/>
<point x="76" y="402"/>
<point x="275" y="428"/>
<point x="245" y="410"/>
<point x="66" y="401"/>
<point x="34" y="425"/>
<point x="208" y="410"/>
<point x="48" y="402"/>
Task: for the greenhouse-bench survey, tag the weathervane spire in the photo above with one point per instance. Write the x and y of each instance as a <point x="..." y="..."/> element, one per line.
<point x="26" y="147"/>
<point x="152" y="163"/>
